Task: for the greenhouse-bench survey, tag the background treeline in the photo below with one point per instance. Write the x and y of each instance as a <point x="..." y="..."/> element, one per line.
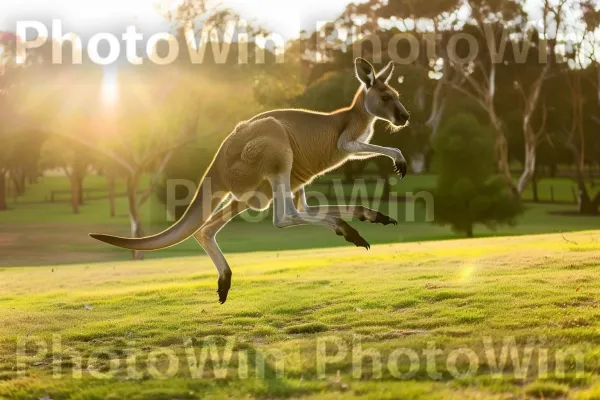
<point x="141" y="125"/>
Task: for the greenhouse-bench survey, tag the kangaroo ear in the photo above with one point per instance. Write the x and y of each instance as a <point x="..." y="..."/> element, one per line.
<point x="364" y="72"/>
<point x="386" y="73"/>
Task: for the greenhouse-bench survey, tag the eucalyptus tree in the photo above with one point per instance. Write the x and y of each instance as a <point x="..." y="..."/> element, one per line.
<point x="476" y="71"/>
<point x="552" y="26"/>
<point x="582" y="59"/>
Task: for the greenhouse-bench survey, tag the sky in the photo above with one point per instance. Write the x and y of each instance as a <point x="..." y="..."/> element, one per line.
<point x="83" y="17"/>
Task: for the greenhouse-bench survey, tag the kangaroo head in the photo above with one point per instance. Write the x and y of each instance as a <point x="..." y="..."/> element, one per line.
<point x="381" y="100"/>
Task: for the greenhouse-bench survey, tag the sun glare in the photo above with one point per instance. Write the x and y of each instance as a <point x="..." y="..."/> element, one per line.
<point x="110" y="86"/>
<point x="466" y="272"/>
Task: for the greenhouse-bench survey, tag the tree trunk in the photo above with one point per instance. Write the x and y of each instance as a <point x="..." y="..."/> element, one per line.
<point x="598" y="81"/>
<point x="503" y="163"/>
<point x="3" y="205"/>
<point x="534" y="187"/>
<point x="485" y="97"/>
<point x="22" y="183"/>
<point x="18" y="181"/>
<point x="470" y="231"/>
<point x="134" y="218"/>
<point x="553" y="169"/>
<point x="530" y="161"/>
<point x="529" y="135"/>
<point x="80" y="189"/>
<point x="111" y="195"/>
<point x="437" y="119"/>
<point x="438" y="103"/>
<point x="587" y="206"/>
<point x="501" y="148"/>
<point x="596" y="205"/>
<point x="74" y="194"/>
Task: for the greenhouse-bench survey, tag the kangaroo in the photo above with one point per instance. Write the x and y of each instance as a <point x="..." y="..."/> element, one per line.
<point x="272" y="157"/>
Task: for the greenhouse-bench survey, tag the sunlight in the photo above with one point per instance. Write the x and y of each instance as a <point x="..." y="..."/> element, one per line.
<point x="466" y="272"/>
<point x="110" y="86"/>
<point x="280" y="17"/>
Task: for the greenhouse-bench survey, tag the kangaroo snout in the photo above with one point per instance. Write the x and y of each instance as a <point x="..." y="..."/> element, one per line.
<point x="401" y="116"/>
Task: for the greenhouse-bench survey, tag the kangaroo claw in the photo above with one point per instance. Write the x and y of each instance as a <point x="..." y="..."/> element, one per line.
<point x="401" y="168"/>
<point x="359" y="241"/>
<point x="384" y="220"/>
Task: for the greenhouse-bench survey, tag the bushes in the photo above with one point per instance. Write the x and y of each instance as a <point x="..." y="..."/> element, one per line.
<point x="468" y="190"/>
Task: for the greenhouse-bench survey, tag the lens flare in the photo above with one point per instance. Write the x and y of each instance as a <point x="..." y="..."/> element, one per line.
<point x="110" y="86"/>
<point x="466" y="272"/>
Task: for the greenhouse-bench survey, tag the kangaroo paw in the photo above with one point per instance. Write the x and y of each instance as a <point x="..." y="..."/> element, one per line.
<point x="359" y="241"/>
<point x="352" y="236"/>
<point x="401" y="168"/>
<point x="384" y="219"/>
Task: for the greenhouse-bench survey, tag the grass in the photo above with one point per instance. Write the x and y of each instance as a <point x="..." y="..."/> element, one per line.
<point x="49" y="233"/>
<point x="42" y="190"/>
<point x="394" y="301"/>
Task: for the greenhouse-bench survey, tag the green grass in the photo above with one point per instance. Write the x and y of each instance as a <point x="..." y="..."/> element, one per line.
<point x="542" y="291"/>
<point x="49" y="233"/>
<point x="42" y="190"/>
<point x="561" y="189"/>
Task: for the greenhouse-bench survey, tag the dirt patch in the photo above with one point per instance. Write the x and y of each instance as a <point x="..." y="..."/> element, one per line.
<point x="29" y="245"/>
<point x="6" y="239"/>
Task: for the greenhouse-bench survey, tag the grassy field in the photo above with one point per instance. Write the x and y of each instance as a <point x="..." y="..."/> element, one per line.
<point x="51" y="234"/>
<point x="156" y="320"/>
<point x="562" y="188"/>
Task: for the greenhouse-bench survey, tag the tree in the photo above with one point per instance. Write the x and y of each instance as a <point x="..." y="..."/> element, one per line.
<point x="576" y="143"/>
<point x="477" y="77"/>
<point x="579" y="81"/>
<point x="138" y="138"/>
<point x="468" y="191"/>
<point x="10" y="115"/>
<point x="73" y="160"/>
<point x="417" y="17"/>
<point x="188" y="163"/>
<point x="552" y="16"/>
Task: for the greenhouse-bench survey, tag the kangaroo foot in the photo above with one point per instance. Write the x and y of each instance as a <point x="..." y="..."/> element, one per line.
<point x="224" y="286"/>
<point x="401" y="168"/>
<point x="379" y="218"/>
<point x="352" y="236"/>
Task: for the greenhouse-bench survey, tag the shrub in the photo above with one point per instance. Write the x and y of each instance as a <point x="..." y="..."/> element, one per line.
<point x="468" y="189"/>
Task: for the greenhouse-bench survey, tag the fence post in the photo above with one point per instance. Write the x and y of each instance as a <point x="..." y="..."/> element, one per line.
<point x="534" y="187"/>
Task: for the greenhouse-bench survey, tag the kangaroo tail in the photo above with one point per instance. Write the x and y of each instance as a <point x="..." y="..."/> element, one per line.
<point x="193" y="219"/>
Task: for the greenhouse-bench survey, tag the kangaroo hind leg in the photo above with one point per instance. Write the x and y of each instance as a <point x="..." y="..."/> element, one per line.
<point x="285" y="213"/>
<point x="360" y="213"/>
<point x="206" y="238"/>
